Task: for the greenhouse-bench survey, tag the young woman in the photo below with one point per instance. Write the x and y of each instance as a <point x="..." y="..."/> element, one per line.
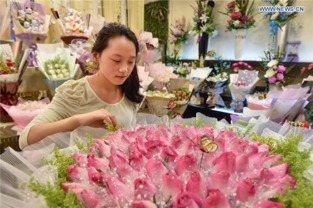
<point x="110" y="96"/>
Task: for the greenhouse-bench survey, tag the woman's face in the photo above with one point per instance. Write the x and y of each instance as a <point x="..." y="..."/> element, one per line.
<point x="117" y="61"/>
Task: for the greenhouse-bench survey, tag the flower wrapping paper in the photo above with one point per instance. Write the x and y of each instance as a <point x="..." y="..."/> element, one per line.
<point x="246" y="77"/>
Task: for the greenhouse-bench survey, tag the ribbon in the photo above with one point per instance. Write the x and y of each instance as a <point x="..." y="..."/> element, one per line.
<point x="32" y="61"/>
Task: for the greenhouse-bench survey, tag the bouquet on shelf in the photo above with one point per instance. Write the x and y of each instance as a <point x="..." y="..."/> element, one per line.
<point x="148" y="47"/>
<point x="31" y="23"/>
<point x="240" y="85"/>
<point x="13" y="61"/>
<point x="74" y="24"/>
<point x="81" y="50"/>
<point x="178" y="36"/>
<point x="275" y="71"/>
<point x="203" y="19"/>
<point x="182" y="70"/>
<point x="57" y="67"/>
<point x="25" y="111"/>
<point x="241" y="13"/>
<point x="278" y="19"/>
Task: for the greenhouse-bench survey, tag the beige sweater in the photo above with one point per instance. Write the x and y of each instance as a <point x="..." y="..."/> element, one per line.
<point x="77" y="97"/>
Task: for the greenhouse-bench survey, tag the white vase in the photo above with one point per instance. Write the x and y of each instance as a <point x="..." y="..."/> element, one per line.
<point x="240" y="39"/>
<point x="282" y="37"/>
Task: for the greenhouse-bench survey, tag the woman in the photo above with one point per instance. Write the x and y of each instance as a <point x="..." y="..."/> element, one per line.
<point x="110" y="96"/>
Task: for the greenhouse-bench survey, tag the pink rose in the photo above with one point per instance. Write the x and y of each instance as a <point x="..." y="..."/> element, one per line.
<point x="269" y="204"/>
<point x="242" y="163"/>
<point x="119" y="190"/>
<point x="76" y="173"/>
<point x="225" y="162"/>
<point x="155" y="169"/>
<point x="80" y="159"/>
<point x="153" y="147"/>
<point x="186" y="199"/>
<point x="98" y="163"/>
<point x="88" y="198"/>
<point x="231" y="5"/>
<point x="216" y="199"/>
<point x="303" y="69"/>
<point x="144" y="189"/>
<point x="100" y="149"/>
<point x="245" y="190"/>
<point x="196" y="185"/>
<point x="245" y="18"/>
<point x="310" y="66"/>
<point x="235" y="15"/>
<point x="281" y="69"/>
<point x="229" y="22"/>
<point x="171" y="186"/>
<point x="143" y="204"/>
<point x="169" y="153"/>
<point x="185" y="164"/>
<point x="280" y="76"/>
<point x="252" y="20"/>
<point x="272" y="80"/>
<point x="219" y="180"/>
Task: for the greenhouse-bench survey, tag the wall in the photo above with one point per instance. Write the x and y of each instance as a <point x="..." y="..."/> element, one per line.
<point x="258" y="37"/>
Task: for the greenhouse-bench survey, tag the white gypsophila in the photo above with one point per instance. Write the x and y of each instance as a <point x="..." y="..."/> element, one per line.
<point x="269" y="73"/>
<point x="272" y="63"/>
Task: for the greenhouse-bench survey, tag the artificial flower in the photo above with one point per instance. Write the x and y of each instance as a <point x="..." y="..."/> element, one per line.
<point x="241" y="15"/>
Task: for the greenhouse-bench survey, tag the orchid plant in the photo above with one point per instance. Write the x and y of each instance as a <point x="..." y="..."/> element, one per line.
<point x="241" y="13"/>
<point x="203" y="19"/>
<point x="279" y="19"/>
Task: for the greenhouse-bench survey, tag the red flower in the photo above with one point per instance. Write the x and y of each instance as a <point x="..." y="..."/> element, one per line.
<point x="235" y="15"/>
<point x="231" y="5"/>
<point x="245" y="18"/>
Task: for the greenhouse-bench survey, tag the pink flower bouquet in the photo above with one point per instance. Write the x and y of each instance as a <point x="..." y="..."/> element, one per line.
<point x="25" y="111"/>
<point x="158" y="166"/>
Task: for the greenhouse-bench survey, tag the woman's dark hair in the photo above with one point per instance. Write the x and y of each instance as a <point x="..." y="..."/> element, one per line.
<point x="131" y="86"/>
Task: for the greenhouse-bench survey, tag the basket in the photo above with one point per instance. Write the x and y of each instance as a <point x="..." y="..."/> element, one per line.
<point x="157" y="105"/>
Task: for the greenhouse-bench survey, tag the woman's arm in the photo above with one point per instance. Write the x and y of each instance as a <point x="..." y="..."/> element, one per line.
<point x="40" y="131"/>
<point x="93" y="119"/>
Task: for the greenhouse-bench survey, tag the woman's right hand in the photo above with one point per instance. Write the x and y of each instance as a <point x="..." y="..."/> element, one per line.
<point x="97" y="119"/>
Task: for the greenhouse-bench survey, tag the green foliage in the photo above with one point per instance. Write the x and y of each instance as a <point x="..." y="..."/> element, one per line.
<point x="300" y="197"/>
<point x="309" y="113"/>
<point x="61" y="161"/>
<point x="298" y="163"/>
<point x="53" y="193"/>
